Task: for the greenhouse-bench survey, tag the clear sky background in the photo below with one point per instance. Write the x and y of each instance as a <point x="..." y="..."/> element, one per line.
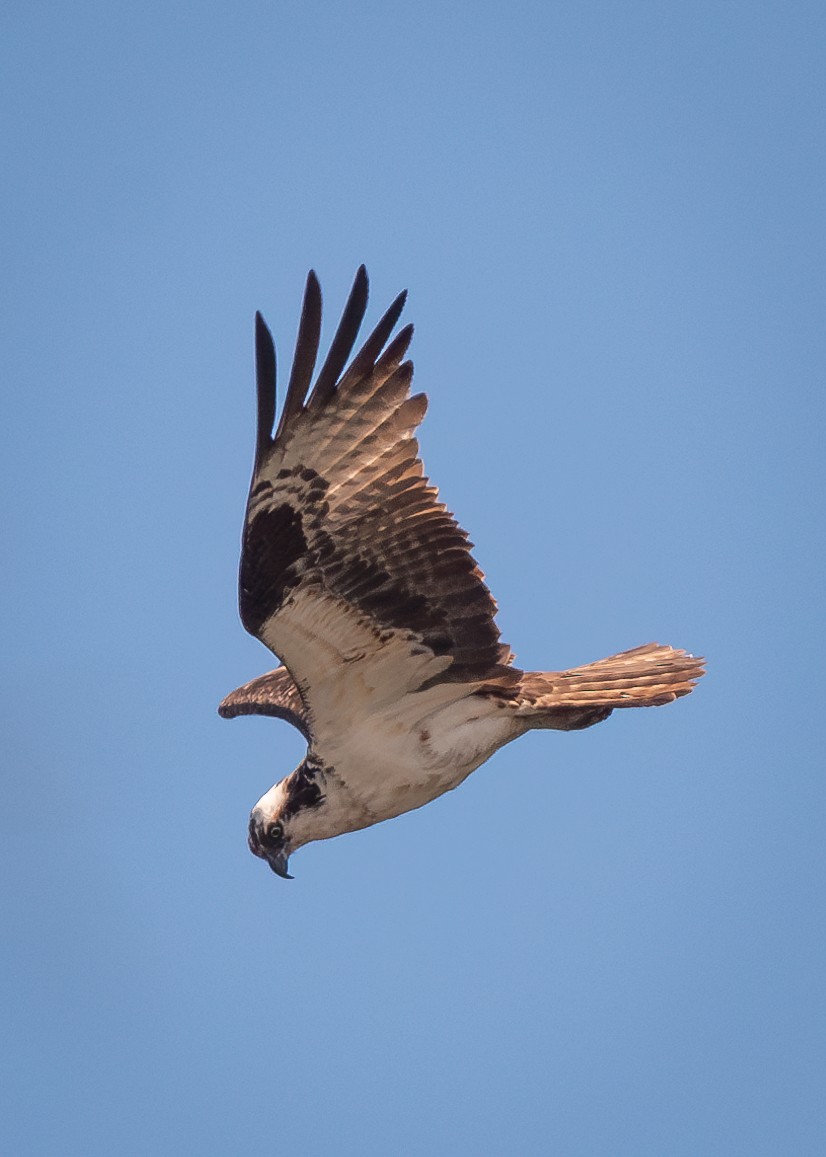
<point x="610" y="220"/>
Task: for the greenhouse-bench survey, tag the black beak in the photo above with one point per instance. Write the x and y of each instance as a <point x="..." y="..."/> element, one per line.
<point x="278" y="862"/>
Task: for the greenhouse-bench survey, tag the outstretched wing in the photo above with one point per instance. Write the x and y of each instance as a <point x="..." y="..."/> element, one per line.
<point x="348" y="557"/>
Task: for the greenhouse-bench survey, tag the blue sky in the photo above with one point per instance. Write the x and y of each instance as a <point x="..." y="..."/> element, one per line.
<point x="610" y="221"/>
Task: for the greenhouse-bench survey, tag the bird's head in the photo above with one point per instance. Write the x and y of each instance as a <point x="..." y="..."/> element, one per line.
<point x="286" y="817"/>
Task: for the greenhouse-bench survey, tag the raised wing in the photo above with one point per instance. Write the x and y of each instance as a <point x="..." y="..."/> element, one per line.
<point x="272" y="694"/>
<point x="346" y="548"/>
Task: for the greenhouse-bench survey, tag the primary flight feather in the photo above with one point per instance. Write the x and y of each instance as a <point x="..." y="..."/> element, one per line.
<point x="363" y="584"/>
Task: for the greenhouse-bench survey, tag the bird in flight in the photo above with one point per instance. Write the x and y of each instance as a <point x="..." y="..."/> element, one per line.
<point x="363" y="584"/>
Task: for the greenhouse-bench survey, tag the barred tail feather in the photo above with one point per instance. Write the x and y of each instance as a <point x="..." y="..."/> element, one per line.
<point x="647" y="676"/>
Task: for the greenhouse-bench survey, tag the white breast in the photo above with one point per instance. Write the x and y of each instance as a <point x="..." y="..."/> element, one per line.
<point x="393" y="764"/>
<point x="392" y="746"/>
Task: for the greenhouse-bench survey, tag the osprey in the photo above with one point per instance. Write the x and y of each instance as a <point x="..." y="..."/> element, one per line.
<point x="363" y="584"/>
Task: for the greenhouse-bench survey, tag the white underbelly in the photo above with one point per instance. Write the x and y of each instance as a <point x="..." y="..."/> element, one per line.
<point x="392" y="767"/>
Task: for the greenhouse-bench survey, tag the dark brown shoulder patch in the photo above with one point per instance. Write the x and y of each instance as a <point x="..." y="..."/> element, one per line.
<point x="274" y="542"/>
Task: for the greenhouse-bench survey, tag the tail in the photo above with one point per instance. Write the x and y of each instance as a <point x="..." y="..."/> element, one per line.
<point x="648" y="676"/>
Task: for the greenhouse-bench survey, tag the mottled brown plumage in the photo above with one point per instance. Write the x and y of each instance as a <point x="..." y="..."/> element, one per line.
<point x="340" y="502"/>
<point x="272" y="694"/>
<point x="361" y="580"/>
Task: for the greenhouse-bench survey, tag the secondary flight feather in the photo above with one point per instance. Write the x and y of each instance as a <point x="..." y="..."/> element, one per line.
<point x="363" y="584"/>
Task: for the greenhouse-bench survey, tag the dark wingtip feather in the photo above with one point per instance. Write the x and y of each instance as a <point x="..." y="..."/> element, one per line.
<point x="396" y="350"/>
<point x="344" y="339"/>
<point x="369" y="352"/>
<point x="265" y="385"/>
<point x="306" y="351"/>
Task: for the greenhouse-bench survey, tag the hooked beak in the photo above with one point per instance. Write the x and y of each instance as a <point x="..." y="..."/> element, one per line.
<point x="278" y="863"/>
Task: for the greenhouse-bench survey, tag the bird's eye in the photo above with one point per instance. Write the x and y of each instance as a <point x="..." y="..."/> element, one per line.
<point x="275" y="832"/>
